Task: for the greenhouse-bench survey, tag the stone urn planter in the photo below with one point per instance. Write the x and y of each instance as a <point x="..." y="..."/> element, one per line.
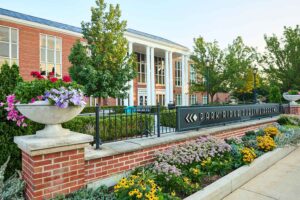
<point x="291" y="98"/>
<point x="52" y="116"/>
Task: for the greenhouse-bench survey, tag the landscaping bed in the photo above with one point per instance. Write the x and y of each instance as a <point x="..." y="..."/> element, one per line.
<point x="204" y="165"/>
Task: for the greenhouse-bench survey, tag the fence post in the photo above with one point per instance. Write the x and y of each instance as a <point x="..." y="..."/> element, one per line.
<point x="177" y="119"/>
<point x="158" y="120"/>
<point x="97" y="137"/>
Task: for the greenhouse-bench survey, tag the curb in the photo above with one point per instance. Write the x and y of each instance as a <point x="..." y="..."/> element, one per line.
<point x="232" y="181"/>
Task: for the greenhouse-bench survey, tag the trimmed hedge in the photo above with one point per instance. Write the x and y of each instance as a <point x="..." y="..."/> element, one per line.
<point x="113" y="127"/>
<point x="168" y="118"/>
<point x="92" y="109"/>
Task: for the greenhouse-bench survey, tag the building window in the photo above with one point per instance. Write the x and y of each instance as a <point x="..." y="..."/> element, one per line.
<point x="204" y="99"/>
<point x="9" y="45"/>
<point x="178" y="77"/>
<point x="50" y="55"/>
<point x="142" y="69"/>
<point x="159" y="70"/>
<point x="160" y="98"/>
<point x="193" y="75"/>
<point x="193" y="99"/>
<point x="178" y="100"/>
<point x="120" y="102"/>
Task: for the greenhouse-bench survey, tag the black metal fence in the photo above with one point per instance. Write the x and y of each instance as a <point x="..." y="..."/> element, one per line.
<point x="122" y="123"/>
<point x="116" y="124"/>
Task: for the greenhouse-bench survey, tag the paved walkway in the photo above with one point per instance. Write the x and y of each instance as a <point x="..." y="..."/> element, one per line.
<point x="280" y="182"/>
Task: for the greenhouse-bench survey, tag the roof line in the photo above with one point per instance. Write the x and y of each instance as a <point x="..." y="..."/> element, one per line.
<point x="75" y="29"/>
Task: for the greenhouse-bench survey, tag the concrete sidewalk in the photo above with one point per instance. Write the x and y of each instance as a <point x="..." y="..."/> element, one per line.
<point x="280" y="182"/>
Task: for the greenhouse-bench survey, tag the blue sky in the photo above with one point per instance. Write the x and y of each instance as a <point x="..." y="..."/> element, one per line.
<point x="180" y="20"/>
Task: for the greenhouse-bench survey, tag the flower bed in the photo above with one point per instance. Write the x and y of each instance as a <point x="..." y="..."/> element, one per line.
<point x="181" y="171"/>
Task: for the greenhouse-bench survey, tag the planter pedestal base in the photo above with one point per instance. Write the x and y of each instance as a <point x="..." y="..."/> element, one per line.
<point x="53" y="130"/>
<point x="53" y="166"/>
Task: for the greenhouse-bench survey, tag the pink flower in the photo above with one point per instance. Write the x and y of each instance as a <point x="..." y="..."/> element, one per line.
<point x="1" y="104"/>
<point x="13" y="114"/>
<point x="39" y="97"/>
<point x="32" y="100"/>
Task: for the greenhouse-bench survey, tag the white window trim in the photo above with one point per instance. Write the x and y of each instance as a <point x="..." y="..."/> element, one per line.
<point x="9" y="58"/>
<point x="204" y="97"/>
<point x="46" y="53"/>
<point x="176" y="97"/>
<point x="193" y="97"/>
<point x="162" y="73"/>
<point x="140" y="67"/>
<point x="178" y="77"/>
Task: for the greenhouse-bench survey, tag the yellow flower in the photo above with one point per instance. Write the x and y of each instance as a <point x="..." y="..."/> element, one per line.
<point x="186" y="180"/>
<point x="266" y="143"/>
<point x="195" y="171"/>
<point x="173" y="194"/>
<point x="271" y="131"/>
<point x="248" y="154"/>
<point x="139" y="195"/>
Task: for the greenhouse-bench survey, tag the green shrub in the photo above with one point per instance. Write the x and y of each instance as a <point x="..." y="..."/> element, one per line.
<point x="115" y="109"/>
<point x="101" y="193"/>
<point x="25" y="91"/>
<point x="168" y="118"/>
<point x="10" y="77"/>
<point x="289" y="120"/>
<point x="112" y="127"/>
<point x="293" y="92"/>
<point x="12" y="188"/>
<point x="275" y="95"/>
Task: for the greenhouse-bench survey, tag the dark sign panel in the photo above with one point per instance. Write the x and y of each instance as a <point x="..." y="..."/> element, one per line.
<point x="194" y="117"/>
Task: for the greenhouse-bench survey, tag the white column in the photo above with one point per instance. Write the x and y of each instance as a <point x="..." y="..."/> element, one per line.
<point x="171" y="76"/>
<point x="167" y="80"/>
<point x="183" y="80"/>
<point x="148" y="60"/>
<point x="153" y="99"/>
<point x="187" y="80"/>
<point x="130" y="100"/>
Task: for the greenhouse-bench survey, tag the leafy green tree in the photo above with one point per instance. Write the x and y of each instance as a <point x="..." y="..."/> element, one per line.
<point x="239" y="60"/>
<point x="80" y="63"/>
<point x="211" y="70"/>
<point x="107" y="70"/>
<point x="282" y="59"/>
<point x="275" y="95"/>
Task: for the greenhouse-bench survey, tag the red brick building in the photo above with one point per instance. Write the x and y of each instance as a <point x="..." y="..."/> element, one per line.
<point x="164" y="70"/>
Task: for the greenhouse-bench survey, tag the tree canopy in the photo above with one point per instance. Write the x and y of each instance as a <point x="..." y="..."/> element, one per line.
<point x="108" y="67"/>
<point x="282" y="59"/>
<point x="239" y="61"/>
<point x="207" y="62"/>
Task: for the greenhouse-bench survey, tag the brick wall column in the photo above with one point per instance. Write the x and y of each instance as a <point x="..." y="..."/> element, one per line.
<point x="52" y="166"/>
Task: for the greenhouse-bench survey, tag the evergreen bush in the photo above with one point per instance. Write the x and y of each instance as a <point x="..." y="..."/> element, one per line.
<point x="275" y="95"/>
<point x="10" y="77"/>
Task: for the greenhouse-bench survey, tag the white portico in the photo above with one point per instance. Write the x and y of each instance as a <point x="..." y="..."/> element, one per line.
<point x="158" y="80"/>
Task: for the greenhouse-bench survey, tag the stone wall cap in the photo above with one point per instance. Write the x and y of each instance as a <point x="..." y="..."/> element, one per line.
<point x="33" y="143"/>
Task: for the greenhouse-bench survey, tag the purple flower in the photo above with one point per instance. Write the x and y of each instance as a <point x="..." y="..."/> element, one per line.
<point x="65" y="97"/>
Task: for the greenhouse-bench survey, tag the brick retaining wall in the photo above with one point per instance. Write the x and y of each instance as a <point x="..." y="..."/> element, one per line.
<point x="104" y="167"/>
<point x="50" y="170"/>
<point x="54" y="173"/>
